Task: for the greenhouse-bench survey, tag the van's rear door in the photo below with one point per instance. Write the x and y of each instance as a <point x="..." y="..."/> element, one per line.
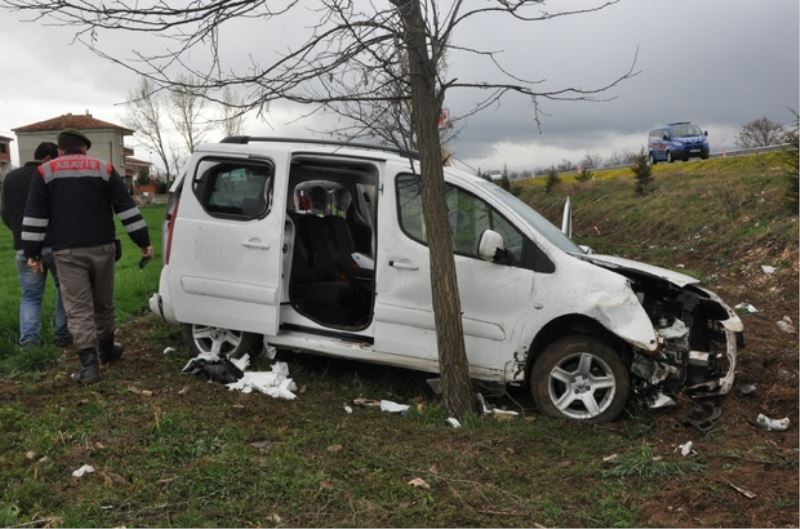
<point x="226" y="248"/>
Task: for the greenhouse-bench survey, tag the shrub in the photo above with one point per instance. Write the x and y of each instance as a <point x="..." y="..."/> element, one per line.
<point x="552" y="180"/>
<point x="643" y="173"/>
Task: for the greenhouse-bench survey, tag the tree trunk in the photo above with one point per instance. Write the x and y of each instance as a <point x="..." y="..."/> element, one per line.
<point x="425" y="110"/>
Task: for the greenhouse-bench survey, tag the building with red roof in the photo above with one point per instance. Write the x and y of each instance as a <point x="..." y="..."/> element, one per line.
<point x="108" y="139"/>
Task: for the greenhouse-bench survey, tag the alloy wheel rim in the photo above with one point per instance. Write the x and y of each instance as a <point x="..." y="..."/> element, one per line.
<point x="215" y="340"/>
<point x="581" y="386"/>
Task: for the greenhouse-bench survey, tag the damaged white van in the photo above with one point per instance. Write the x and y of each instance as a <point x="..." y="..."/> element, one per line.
<point x="320" y="247"/>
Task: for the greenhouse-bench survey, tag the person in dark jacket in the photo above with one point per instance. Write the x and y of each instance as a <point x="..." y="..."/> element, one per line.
<point x="16" y="186"/>
<point x="75" y="196"/>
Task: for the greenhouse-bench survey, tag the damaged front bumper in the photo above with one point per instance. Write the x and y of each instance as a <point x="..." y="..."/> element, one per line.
<point x="697" y="353"/>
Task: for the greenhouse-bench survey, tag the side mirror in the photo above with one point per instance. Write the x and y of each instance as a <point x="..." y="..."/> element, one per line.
<point x="705" y="133"/>
<point x="489" y="244"/>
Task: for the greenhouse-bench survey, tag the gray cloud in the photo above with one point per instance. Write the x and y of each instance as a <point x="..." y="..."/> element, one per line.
<point x="719" y="63"/>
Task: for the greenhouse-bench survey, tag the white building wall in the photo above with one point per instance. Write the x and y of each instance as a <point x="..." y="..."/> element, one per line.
<point x="107" y="145"/>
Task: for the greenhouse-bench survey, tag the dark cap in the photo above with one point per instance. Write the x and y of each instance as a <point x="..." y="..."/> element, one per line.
<point x="78" y="134"/>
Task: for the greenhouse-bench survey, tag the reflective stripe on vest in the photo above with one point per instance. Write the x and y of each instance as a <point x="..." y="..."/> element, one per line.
<point x="75" y="166"/>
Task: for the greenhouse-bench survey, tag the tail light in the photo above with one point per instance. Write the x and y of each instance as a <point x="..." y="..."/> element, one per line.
<point x="169" y="224"/>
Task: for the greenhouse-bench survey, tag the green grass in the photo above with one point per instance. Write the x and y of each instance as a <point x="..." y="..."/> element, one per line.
<point x="132" y="288"/>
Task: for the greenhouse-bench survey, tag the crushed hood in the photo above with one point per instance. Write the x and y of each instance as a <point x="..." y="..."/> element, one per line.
<point x="612" y="262"/>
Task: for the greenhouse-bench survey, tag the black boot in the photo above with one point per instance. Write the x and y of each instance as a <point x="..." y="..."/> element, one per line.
<point x="90" y="369"/>
<point x="110" y="351"/>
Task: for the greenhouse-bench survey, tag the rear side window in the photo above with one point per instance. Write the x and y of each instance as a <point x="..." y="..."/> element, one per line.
<point x="234" y="189"/>
<point x="469" y="217"/>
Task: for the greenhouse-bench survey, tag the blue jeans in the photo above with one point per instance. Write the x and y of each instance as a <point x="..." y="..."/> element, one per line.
<point x="30" y="306"/>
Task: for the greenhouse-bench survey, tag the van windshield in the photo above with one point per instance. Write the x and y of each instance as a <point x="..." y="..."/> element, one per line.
<point x="684" y="131"/>
<point x="532" y="217"/>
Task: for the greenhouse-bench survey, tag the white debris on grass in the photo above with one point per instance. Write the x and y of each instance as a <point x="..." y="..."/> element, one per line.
<point x="746" y="307"/>
<point x="393" y="407"/>
<point x="611" y="458"/>
<point x="243" y="362"/>
<point x="275" y="383"/>
<point x="348" y="410"/>
<point x="786" y="325"/>
<point x="686" y="448"/>
<point x="168" y="350"/>
<point x="489" y="410"/>
<point x="768" y="269"/>
<point x="452" y="421"/>
<point x="85" y="469"/>
<point x="772" y="425"/>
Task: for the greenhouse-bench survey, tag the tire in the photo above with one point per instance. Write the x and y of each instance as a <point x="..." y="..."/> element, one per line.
<point x="233" y="344"/>
<point x="652" y="159"/>
<point x="670" y="159"/>
<point x="580" y="378"/>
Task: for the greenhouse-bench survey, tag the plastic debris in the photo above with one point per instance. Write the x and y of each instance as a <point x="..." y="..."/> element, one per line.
<point x="686" y="448"/>
<point x="786" y="326"/>
<point x="348" y="410"/>
<point x="743" y="390"/>
<point x="747" y="307"/>
<point x="661" y="401"/>
<point x="30" y="455"/>
<point x="168" y="350"/>
<point x="393" y="407"/>
<point x="452" y="421"/>
<point x="611" y="458"/>
<point x="269" y="350"/>
<point x="768" y="269"/>
<point x="274" y="383"/>
<point x="419" y="483"/>
<point x="493" y="410"/>
<point x="213" y="368"/>
<point x="744" y="492"/>
<point x="772" y="425"/>
<point x="243" y="362"/>
<point x="85" y="469"/>
<point x="435" y="385"/>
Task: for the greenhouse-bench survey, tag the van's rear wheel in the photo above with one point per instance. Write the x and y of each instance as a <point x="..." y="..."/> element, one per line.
<point x="219" y="341"/>
<point x="580" y="378"/>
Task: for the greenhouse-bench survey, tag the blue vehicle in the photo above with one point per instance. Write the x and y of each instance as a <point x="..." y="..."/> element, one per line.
<point x="677" y="141"/>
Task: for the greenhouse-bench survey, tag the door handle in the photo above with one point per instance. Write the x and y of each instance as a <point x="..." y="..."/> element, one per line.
<point x="403" y="264"/>
<point x="255" y="245"/>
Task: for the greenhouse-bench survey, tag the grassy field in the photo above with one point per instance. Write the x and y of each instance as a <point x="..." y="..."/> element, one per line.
<point x="171" y="450"/>
<point x="132" y="288"/>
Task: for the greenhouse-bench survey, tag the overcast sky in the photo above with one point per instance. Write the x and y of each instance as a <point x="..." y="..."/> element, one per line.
<point x="718" y="63"/>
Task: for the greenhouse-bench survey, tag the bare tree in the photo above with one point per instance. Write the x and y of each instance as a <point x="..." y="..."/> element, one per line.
<point x="187" y="109"/>
<point x="377" y="55"/>
<point x="144" y="111"/>
<point x="761" y="132"/>
<point x="232" y="113"/>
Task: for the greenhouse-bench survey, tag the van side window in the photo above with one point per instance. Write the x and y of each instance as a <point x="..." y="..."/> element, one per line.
<point x="234" y="189"/>
<point x="469" y="217"/>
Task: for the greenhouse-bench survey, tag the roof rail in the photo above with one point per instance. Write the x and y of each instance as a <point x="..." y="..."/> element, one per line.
<point x="679" y="123"/>
<point x="248" y="139"/>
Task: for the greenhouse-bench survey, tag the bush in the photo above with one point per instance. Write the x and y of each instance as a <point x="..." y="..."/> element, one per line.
<point x="584" y="175"/>
<point x="162" y="188"/>
<point x="552" y="180"/>
<point x="643" y="173"/>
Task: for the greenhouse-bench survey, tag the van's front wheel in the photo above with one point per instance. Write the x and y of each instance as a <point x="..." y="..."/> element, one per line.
<point x="580" y="378"/>
<point x="219" y="341"/>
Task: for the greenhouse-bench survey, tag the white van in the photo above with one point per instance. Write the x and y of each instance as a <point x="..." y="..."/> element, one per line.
<point x="320" y="247"/>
